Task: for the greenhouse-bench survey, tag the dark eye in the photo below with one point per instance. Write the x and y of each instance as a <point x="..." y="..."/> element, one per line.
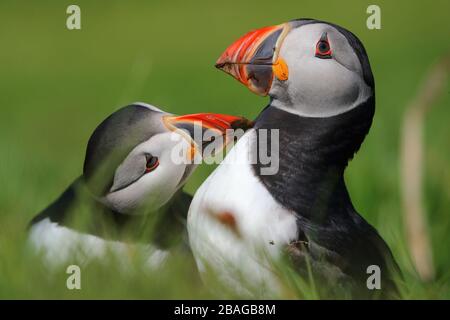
<point x="323" y="49"/>
<point x="152" y="163"/>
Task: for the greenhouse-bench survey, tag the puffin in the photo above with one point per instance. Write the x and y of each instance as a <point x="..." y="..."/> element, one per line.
<point x="249" y="213"/>
<point x="129" y="198"/>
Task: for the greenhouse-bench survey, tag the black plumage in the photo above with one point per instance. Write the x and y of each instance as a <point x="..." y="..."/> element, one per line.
<point x="337" y="241"/>
<point x="310" y="182"/>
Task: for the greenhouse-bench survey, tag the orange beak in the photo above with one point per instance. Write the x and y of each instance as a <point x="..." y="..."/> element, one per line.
<point x="212" y="121"/>
<point x="253" y="59"/>
<point x="195" y="126"/>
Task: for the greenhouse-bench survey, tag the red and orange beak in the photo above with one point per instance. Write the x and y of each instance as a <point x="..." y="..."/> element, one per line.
<point x="208" y="121"/>
<point x="195" y="126"/>
<point x="254" y="58"/>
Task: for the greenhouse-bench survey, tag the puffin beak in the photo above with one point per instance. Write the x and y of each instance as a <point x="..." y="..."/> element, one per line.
<point x="203" y="128"/>
<point x="253" y="59"/>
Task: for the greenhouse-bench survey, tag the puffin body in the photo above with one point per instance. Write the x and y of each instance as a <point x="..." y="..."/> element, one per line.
<point x="106" y="233"/>
<point x="322" y="103"/>
<point x="234" y="221"/>
<point x="129" y="198"/>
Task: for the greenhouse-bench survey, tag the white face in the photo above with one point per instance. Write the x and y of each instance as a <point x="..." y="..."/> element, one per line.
<point x="319" y="86"/>
<point x="137" y="182"/>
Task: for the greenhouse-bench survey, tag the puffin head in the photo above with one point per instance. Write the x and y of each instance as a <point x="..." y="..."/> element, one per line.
<point x="308" y="67"/>
<point x="135" y="157"/>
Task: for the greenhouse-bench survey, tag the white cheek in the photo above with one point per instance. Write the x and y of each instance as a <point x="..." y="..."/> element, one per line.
<point x="319" y="88"/>
<point x="323" y="83"/>
<point x="152" y="191"/>
<point x="156" y="188"/>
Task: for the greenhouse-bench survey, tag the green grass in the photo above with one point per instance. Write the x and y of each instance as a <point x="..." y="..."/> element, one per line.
<point x="57" y="85"/>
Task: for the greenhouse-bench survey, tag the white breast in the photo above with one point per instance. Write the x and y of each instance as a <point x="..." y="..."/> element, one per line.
<point x="263" y="226"/>
<point x="61" y="246"/>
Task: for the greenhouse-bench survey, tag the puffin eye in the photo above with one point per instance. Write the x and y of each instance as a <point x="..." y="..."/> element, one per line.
<point x="152" y="163"/>
<point x="323" y="49"/>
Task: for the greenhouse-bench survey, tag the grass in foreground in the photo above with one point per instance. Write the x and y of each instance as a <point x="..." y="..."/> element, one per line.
<point x="57" y="85"/>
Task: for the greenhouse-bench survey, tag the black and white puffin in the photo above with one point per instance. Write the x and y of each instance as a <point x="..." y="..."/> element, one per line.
<point x="132" y="175"/>
<point x="322" y="101"/>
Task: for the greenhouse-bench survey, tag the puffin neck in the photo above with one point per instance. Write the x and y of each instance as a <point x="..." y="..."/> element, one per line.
<point x="313" y="154"/>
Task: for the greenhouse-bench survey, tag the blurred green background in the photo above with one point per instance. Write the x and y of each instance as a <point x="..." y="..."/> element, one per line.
<point x="56" y="85"/>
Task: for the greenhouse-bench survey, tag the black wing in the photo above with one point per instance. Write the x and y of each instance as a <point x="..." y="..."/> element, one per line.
<point x="163" y="228"/>
<point x="59" y="209"/>
<point x="339" y="255"/>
